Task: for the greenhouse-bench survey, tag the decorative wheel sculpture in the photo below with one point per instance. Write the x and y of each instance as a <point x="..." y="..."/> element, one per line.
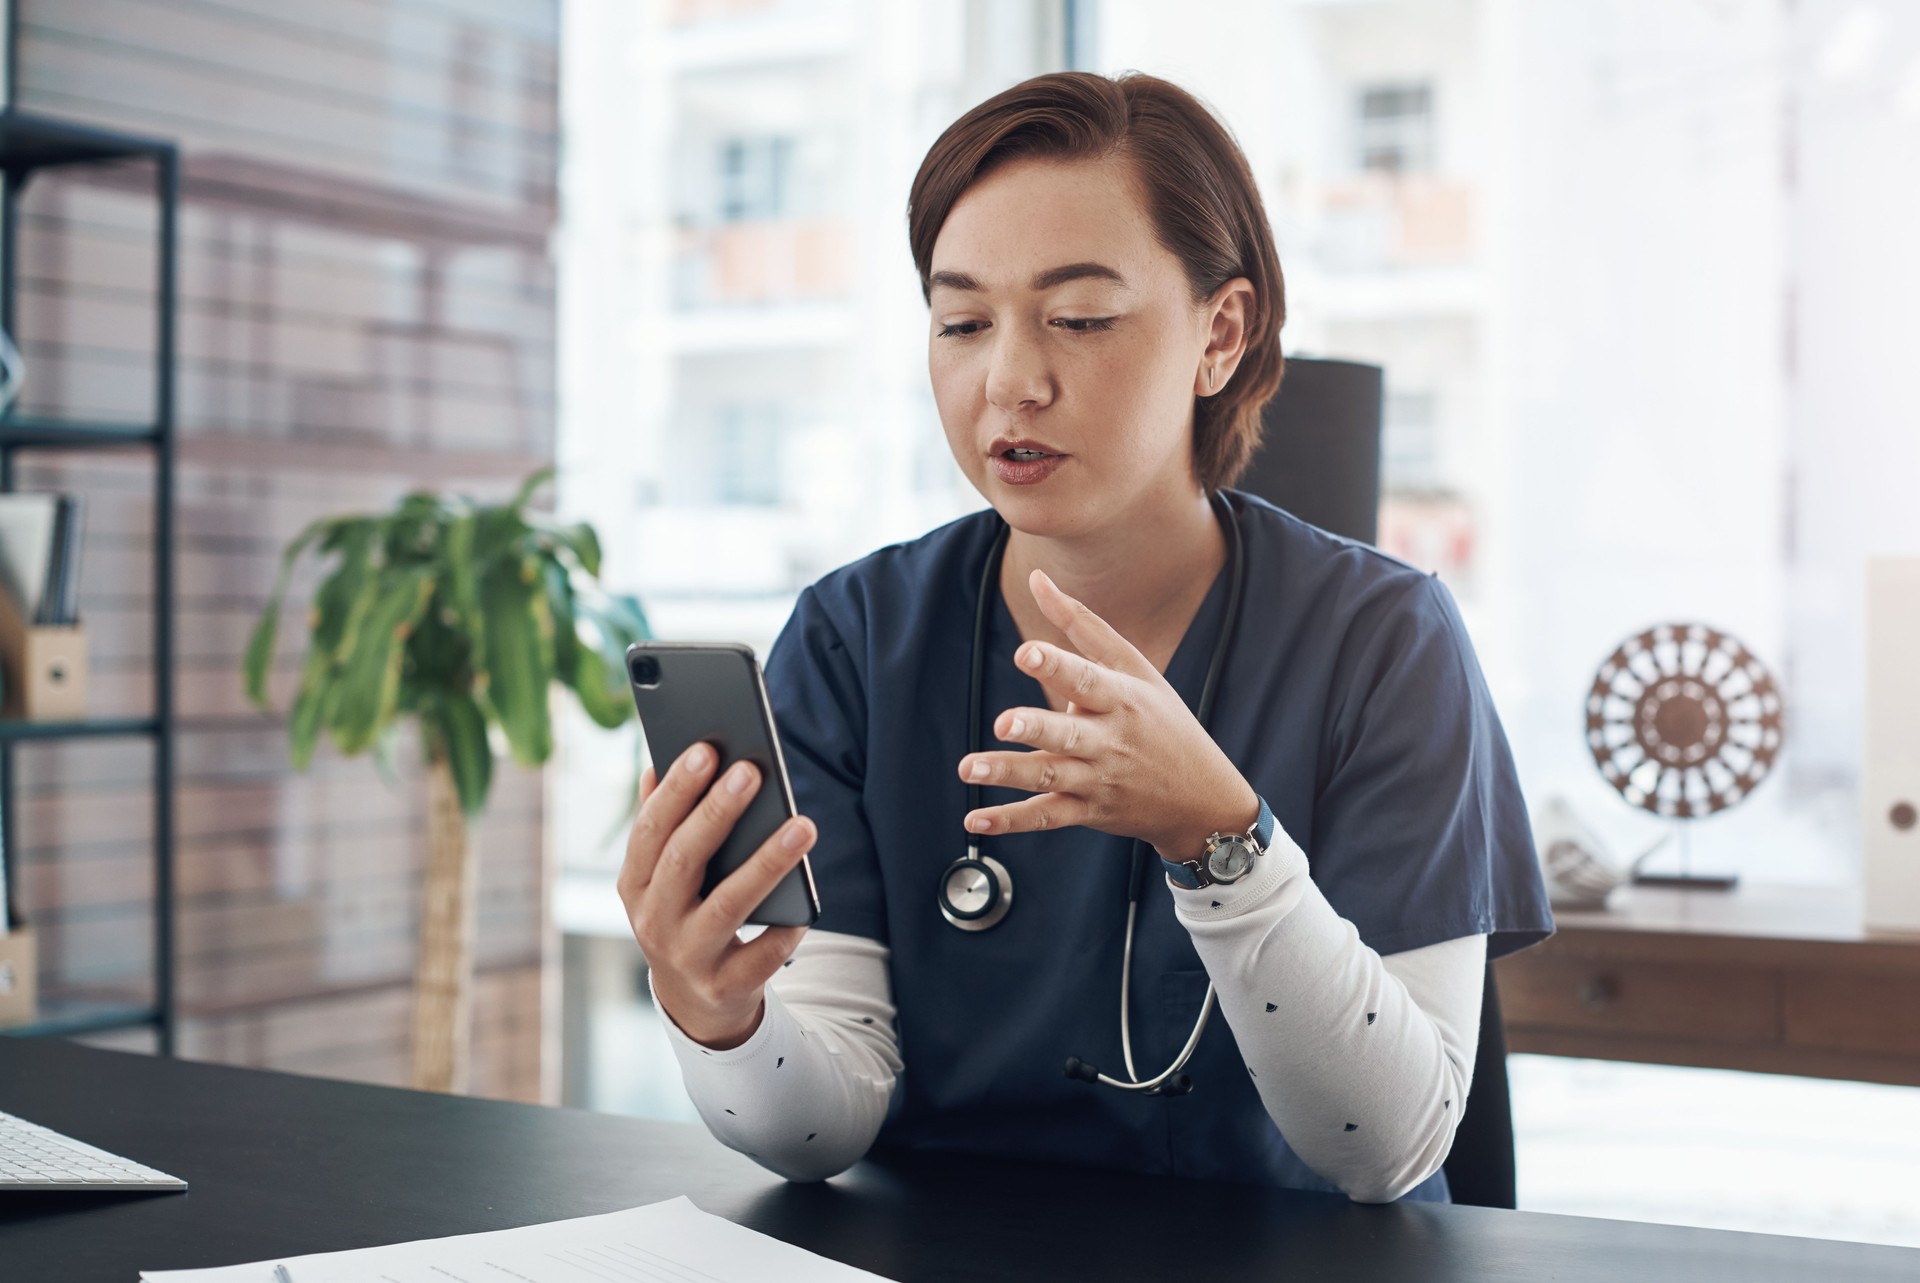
<point x="1684" y="721"/>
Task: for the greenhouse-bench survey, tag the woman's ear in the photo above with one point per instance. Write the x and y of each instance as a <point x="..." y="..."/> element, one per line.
<point x="1229" y="314"/>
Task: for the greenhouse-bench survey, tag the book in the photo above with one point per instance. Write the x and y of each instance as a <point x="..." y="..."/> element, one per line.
<point x="59" y="601"/>
<point x="40" y="556"/>
<point x="27" y="524"/>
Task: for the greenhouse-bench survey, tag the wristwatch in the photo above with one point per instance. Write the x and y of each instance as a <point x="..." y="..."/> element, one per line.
<point x="1228" y="856"/>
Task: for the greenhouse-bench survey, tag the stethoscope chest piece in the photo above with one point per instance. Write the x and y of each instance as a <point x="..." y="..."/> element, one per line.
<point x="975" y="891"/>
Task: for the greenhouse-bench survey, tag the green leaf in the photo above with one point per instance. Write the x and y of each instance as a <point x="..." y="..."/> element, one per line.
<point x="345" y="530"/>
<point x="330" y="616"/>
<point x="585" y="543"/>
<point x="439" y="654"/>
<point x="369" y="683"/>
<point x="411" y="533"/>
<point x="600" y="672"/>
<point x="260" y="646"/>
<point x="632" y="621"/>
<point x="499" y="534"/>
<point x="519" y="660"/>
<point x="577" y="537"/>
<point x="303" y="724"/>
<point x="536" y="479"/>
<point x="558" y="586"/>
<point x="463" y="734"/>
<point x="457" y="560"/>
<point x="337" y="596"/>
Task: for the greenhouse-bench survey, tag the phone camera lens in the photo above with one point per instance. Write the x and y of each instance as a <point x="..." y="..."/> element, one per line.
<point x="645" y="670"/>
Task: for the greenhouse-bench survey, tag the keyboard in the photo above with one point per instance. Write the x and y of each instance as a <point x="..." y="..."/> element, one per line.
<point x="35" y="1157"/>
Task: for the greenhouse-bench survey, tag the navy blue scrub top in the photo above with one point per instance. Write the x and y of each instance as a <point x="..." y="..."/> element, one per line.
<point x="1350" y="698"/>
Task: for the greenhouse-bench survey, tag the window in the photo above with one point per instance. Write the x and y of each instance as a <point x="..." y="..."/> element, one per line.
<point x="755" y="176"/>
<point x="745" y="464"/>
<point x="1410" y="445"/>
<point x="1396" y="128"/>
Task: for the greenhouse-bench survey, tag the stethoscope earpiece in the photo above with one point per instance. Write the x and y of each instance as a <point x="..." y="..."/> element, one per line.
<point x="1170" y="1084"/>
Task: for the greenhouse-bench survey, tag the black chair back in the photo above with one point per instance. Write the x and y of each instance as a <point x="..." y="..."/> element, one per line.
<point x="1320" y="455"/>
<point x="1320" y="460"/>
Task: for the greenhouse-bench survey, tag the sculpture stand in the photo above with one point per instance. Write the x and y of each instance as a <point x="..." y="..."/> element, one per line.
<point x="1686" y="879"/>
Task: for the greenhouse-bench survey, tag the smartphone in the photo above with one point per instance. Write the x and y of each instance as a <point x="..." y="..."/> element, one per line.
<point x="713" y="691"/>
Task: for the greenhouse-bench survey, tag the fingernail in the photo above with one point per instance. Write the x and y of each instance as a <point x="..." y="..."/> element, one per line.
<point x="979" y="824"/>
<point x="738" y="778"/>
<point x="979" y="771"/>
<point x="697" y="758"/>
<point x="795" y="837"/>
<point x="1017" y="729"/>
<point x="1031" y="659"/>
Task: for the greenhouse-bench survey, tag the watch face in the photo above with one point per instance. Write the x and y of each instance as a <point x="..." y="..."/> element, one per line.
<point x="1230" y="860"/>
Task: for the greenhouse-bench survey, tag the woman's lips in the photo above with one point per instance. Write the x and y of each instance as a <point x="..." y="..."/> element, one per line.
<point x="1027" y="472"/>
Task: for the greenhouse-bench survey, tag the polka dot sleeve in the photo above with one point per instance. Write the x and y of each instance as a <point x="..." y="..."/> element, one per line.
<point x="1362" y="1061"/>
<point x="805" y="1095"/>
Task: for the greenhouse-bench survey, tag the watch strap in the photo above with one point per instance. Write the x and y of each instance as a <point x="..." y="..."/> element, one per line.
<point x="1263" y="827"/>
<point x="1192" y="874"/>
<point x="1185" y="873"/>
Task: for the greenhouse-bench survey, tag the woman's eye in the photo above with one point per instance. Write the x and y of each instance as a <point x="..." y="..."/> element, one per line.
<point x="1074" y="324"/>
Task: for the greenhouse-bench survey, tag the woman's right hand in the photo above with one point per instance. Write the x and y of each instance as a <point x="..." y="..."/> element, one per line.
<point x="708" y="981"/>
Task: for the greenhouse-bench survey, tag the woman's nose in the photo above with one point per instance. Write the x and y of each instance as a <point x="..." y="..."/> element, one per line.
<point x="1017" y="374"/>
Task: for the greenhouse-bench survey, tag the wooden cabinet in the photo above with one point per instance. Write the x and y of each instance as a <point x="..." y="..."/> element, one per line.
<point x="1776" y="979"/>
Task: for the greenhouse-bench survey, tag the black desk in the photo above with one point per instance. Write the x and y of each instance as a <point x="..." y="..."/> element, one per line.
<point x="281" y="1165"/>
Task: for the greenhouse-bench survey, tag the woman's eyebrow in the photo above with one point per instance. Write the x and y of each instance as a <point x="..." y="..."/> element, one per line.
<point x="1041" y="281"/>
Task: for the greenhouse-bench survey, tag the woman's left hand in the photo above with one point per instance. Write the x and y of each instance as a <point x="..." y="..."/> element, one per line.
<point x="1126" y="757"/>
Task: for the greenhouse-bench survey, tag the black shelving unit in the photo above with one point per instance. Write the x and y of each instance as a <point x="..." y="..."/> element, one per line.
<point x="30" y="143"/>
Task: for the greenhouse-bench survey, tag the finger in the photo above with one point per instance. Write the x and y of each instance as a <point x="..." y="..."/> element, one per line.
<point x="729" y="904"/>
<point x="660" y="814"/>
<point x="1048" y="811"/>
<point x="1035" y="772"/>
<point x="752" y="964"/>
<point x="1091" y="635"/>
<point x="648" y="782"/>
<point x="683" y="860"/>
<point x="1074" y="678"/>
<point x="1070" y="735"/>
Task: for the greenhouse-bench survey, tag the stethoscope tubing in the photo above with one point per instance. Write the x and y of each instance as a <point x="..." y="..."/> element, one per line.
<point x="1139" y="861"/>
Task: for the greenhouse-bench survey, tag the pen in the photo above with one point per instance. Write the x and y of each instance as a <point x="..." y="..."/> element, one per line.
<point x="280" y="1275"/>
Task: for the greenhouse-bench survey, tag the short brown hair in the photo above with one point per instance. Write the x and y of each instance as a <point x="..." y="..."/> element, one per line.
<point x="1199" y="193"/>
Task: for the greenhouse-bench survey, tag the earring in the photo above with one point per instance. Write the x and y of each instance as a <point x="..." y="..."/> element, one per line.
<point x="1209" y="378"/>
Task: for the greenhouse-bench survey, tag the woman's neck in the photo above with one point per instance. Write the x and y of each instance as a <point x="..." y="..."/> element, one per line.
<point x="1146" y="574"/>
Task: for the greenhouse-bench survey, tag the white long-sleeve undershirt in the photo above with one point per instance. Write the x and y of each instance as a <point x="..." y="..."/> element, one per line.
<point x="1363" y="1062"/>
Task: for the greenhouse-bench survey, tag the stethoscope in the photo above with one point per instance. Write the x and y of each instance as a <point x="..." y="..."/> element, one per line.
<point x="976" y="891"/>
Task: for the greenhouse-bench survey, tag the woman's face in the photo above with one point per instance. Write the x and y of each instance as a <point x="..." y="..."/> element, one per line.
<point x="1058" y="320"/>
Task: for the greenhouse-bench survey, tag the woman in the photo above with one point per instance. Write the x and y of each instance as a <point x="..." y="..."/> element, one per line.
<point x="1105" y="308"/>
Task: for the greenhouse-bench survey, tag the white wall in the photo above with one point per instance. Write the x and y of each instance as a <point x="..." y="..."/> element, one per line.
<point x="1854" y="395"/>
<point x="1640" y="292"/>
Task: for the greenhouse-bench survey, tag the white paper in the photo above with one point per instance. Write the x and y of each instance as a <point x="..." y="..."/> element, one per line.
<point x="670" y="1242"/>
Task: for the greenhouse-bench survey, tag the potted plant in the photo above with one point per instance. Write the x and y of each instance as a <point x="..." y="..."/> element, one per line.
<point x="456" y="616"/>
